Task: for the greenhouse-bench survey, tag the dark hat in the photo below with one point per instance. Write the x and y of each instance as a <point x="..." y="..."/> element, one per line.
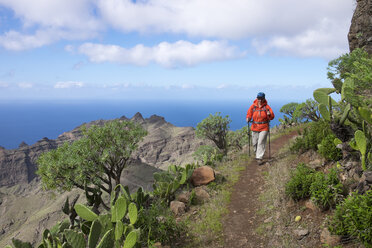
<point x="261" y="95"/>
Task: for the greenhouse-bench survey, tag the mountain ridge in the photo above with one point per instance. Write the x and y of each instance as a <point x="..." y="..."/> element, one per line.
<point x="165" y="144"/>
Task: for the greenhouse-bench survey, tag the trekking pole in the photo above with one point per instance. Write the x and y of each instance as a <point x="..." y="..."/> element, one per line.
<point x="269" y="142"/>
<point x="249" y="140"/>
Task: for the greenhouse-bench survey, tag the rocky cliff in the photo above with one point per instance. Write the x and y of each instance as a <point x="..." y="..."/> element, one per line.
<point x="26" y="210"/>
<point x="165" y="144"/>
<point x="360" y="33"/>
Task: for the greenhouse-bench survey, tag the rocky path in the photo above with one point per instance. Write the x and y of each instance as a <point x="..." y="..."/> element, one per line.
<point x="240" y="225"/>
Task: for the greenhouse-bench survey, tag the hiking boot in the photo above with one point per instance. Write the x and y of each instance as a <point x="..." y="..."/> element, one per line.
<point x="260" y="161"/>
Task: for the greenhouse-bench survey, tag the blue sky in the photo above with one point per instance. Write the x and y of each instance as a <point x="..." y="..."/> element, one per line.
<point x="169" y="49"/>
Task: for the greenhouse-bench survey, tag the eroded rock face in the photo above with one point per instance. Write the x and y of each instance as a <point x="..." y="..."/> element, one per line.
<point x="19" y="165"/>
<point x="360" y="33"/>
<point x="165" y="144"/>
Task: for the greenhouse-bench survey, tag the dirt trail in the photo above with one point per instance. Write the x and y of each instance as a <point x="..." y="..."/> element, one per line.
<point x="242" y="221"/>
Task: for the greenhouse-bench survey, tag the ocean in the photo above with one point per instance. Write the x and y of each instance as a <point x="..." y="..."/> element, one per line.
<point x="31" y="121"/>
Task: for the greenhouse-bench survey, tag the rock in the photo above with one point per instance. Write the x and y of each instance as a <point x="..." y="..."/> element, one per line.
<point x="368" y="176"/>
<point x="310" y="205"/>
<point x="201" y="195"/>
<point x="202" y="176"/>
<point x="360" y="32"/>
<point x="316" y="163"/>
<point x="327" y="238"/>
<point x="22" y="145"/>
<point x="177" y="207"/>
<point x="301" y="233"/>
<point x="183" y="197"/>
<point x="353" y="174"/>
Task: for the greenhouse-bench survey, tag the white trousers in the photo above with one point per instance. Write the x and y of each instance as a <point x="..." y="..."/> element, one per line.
<point x="259" y="143"/>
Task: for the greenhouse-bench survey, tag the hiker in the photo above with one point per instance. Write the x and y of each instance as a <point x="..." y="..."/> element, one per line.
<point x="260" y="114"/>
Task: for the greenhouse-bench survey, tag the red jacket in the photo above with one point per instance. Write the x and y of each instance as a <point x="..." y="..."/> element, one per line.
<point x="259" y="117"/>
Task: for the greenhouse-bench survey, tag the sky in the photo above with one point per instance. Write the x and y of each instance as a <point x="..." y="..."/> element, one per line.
<point x="169" y="49"/>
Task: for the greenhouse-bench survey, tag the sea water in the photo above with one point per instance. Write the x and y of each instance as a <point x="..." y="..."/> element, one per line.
<point x="31" y="121"/>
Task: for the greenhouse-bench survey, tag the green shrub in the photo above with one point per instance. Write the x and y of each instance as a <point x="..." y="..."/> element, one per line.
<point x="236" y="140"/>
<point x="328" y="149"/>
<point x="158" y="224"/>
<point x="208" y="155"/>
<point x="354" y="217"/>
<point x="168" y="182"/>
<point x="215" y="128"/>
<point x="326" y="189"/>
<point x="298" y="187"/>
<point x="312" y="136"/>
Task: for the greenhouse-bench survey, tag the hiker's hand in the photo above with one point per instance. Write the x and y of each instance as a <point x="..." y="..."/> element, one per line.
<point x="248" y="121"/>
<point x="268" y="113"/>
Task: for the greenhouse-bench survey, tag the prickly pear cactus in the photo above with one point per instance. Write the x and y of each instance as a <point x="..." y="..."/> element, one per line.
<point x="131" y="239"/>
<point x="75" y="239"/>
<point x="119" y="210"/>
<point x="85" y="213"/>
<point x="366" y="114"/>
<point x="324" y="112"/>
<point x="94" y="234"/>
<point x="107" y="240"/>
<point x="119" y="229"/>
<point x="361" y="142"/>
<point x="133" y="213"/>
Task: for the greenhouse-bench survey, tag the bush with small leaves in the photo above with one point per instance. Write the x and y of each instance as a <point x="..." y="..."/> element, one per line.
<point x="158" y="224"/>
<point x="326" y="189"/>
<point x="312" y="136"/>
<point x="298" y="187"/>
<point x="328" y="149"/>
<point x="208" y="155"/>
<point x="353" y="217"/>
<point x="215" y="128"/>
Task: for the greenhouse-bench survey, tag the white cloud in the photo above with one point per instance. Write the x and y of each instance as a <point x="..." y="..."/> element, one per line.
<point x="310" y="26"/>
<point x="180" y="53"/>
<point x="297" y="23"/>
<point x="320" y="42"/>
<point x="232" y="19"/>
<point x="65" y="14"/>
<point x="68" y="84"/>
<point x="45" y="22"/>
<point x="25" y="85"/>
<point x="16" y="41"/>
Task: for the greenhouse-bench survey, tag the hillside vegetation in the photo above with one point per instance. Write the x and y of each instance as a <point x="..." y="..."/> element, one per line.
<point x="181" y="212"/>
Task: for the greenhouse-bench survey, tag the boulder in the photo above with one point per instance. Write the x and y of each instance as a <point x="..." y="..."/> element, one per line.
<point x="177" y="207"/>
<point x="183" y="197"/>
<point x="202" y="176"/>
<point x="201" y="195"/>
